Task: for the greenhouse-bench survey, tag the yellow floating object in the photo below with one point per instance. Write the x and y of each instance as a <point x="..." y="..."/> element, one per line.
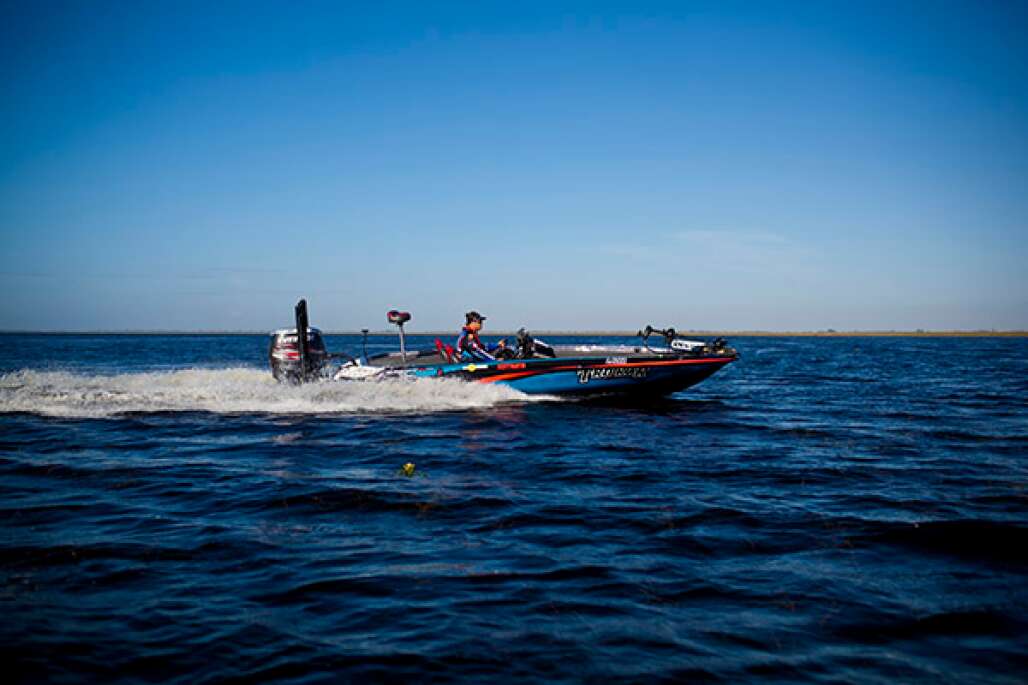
<point x="408" y="469"/>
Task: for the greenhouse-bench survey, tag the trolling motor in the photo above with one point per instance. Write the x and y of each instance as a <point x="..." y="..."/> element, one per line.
<point x="399" y="318"/>
<point x="682" y="346"/>
<point x="668" y="334"/>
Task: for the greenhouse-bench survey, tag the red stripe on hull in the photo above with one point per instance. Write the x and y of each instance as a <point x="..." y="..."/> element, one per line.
<point x="577" y="367"/>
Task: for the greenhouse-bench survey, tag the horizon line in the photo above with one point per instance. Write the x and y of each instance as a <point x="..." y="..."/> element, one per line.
<point x="827" y="333"/>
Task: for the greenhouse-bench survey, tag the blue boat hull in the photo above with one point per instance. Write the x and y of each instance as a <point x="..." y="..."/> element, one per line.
<point x="585" y="375"/>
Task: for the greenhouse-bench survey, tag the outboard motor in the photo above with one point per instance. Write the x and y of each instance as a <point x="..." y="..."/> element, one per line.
<point x="298" y="354"/>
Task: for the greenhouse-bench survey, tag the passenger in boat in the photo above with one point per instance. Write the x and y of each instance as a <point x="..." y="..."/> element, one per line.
<point x="470" y="346"/>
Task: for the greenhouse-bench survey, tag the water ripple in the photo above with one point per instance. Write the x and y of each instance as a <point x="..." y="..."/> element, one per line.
<point x="827" y="510"/>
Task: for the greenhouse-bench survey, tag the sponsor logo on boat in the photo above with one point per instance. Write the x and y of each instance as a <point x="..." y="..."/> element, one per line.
<point x="617" y="360"/>
<point x="608" y="373"/>
<point x="506" y="367"/>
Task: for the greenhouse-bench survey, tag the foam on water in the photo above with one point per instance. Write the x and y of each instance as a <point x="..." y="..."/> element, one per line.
<point x="233" y="390"/>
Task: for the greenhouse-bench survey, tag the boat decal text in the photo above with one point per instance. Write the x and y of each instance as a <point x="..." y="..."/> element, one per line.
<point x="607" y="373"/>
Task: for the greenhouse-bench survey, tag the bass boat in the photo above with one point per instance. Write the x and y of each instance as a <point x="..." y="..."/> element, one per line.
<point x="655" y="368"/>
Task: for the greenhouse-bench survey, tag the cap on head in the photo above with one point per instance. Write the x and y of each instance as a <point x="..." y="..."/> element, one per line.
<point x="474" y="316"/>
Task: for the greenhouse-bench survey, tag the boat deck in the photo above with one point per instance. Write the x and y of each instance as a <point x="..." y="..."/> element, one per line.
<point x="599" y="352"/>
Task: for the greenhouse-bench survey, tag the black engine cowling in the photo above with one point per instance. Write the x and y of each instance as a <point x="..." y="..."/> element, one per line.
<point x="285" y="356"/>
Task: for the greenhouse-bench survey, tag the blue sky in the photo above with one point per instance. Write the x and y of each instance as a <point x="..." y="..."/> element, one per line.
<point x="773" y="166"/>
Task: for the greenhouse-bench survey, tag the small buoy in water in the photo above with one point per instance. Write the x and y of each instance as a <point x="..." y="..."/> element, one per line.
<point x="408" y="469"/>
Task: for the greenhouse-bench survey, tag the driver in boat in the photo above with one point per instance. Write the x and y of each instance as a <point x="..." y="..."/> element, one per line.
<point x="470" y="346"/>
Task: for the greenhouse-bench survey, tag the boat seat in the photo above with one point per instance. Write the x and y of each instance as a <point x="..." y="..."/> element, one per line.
<point x="447" y="352"/>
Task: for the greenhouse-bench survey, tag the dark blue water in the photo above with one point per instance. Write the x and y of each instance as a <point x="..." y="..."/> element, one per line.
<point x="829" y="510"/>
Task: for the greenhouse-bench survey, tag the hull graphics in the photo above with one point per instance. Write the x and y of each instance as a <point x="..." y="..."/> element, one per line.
<point x="587" y="375"/>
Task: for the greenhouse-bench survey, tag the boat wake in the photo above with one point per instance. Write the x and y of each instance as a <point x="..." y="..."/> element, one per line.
<point x="233" y="391"/>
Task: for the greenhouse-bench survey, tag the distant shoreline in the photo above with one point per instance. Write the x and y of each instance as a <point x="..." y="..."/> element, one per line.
<point x="622" y="334"/>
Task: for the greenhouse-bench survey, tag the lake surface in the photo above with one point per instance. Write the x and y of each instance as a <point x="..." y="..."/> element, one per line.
<point x="825" y="510"/>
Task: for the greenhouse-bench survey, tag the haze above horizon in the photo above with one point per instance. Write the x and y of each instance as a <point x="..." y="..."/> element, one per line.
<point x="564" y="166"/>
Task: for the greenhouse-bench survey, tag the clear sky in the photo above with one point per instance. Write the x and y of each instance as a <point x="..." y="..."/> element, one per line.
<point x="191" y="166"/>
